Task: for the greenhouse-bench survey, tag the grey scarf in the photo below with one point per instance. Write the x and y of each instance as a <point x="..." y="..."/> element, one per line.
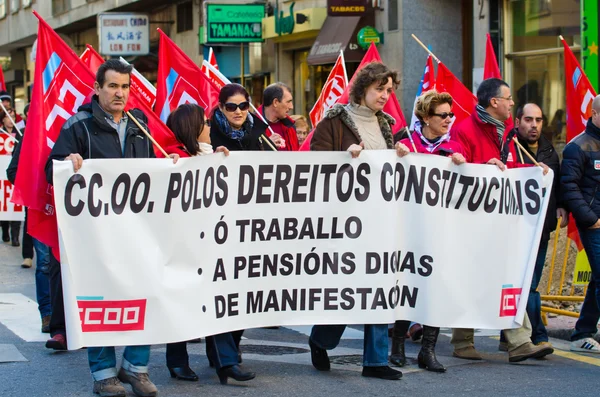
<point x="486" y="118"/>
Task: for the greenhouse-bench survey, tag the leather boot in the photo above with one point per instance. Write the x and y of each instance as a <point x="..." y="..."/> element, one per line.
<point x="426" y="358"/>
<point x="398" y="358"/>
<point x="15" y="228"/>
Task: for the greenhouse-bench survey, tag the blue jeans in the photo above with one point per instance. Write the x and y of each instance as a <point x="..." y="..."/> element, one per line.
<point x="375" y="353"/>
<point x="587" y="325"/>
<point x="534" y="303"/>
<point x="42" y="278"/>
<point x="222" y="349"/>
<point x="103" y="363"/>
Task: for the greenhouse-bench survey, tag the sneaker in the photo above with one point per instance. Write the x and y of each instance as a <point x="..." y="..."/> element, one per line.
<point x="384" y="372"/>
<point x="467" y="353"/>
<point x="503" y="346"/>
<point x="46" y="324"/>
<point x="57" y="342"/>
<point x="587" y="345"/>
<point x="27" y="263"/>
<point x="529" y="350"/>
<point x="319" y="357"/>
<point x="140" y="383"/>
<point x="110" y="387"/>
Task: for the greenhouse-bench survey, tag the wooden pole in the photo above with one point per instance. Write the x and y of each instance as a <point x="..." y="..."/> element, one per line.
<point x="426" y="49"/>
<point x="4" y="132"/>
<point x="525" y="151"/>
<point x="11" y="119"/>
<point x="147" y="134"/>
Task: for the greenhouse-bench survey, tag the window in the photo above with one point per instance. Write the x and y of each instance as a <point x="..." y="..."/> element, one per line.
<point x="392" y="14"/>
<point x="14" y="6"/>
<point x="60" y="6"/>
<point x="185" y="17"/>
<point x="27" y="3"/>
<point x="2" y="8"/>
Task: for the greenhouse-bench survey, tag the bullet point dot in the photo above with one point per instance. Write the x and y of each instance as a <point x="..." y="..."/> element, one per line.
<point x="202" y="235"/>
<point x="203" y="308"/>
<point x="200" y="271"/>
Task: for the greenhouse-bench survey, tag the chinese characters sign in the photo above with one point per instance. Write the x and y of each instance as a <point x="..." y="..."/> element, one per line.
<point x="124" y="33"/>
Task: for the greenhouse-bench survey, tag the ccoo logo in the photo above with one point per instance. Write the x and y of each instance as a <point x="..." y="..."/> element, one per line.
<point x="99" y="315"/>
<point x="509" y="300"/>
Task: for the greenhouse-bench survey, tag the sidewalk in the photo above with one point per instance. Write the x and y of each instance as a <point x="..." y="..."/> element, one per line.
<point x="561" y="327"/>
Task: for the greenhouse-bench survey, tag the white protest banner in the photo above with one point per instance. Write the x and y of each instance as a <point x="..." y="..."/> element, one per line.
<point x="8" y="210"/>
<point x="156" y="252"/>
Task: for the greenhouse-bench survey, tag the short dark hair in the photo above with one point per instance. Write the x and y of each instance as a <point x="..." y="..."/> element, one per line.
<point x="521" y="109"/>
<point x="187" y="122"/>
<point x="274" y="91"/>
<point x="371" y="73"/>
<point x="112" y="64"/>
<point x="230" y="90"/>
<point x="488" y="89"/>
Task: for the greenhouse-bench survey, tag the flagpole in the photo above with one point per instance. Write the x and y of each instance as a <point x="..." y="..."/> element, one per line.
<point x="147" y="134"/>
<point x="410" y="139"/>
<point x="525" y="151"/>
<point x="4" y="132"/>
<point x="426" y="49"/>
<point x="10" y="118"/>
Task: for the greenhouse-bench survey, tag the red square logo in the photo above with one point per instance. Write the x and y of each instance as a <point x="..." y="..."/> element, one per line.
<point x="509" y="300"/>
<point x="112" y="316"/>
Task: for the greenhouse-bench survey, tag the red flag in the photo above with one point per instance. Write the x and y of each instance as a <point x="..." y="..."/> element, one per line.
<point x="463" y="99"/>
<point x="334" y="87"/>
<point x="2" y="83"/>
<point x="392" y="107"/>
<point x="580" y="94"/>
<point x="490" y="68"/>
<point x="180" y="81"/>
<point x="163" y="135"/>
<point x="427" y="83"/>
<point x="215" y="75"/>
<point x="62" y="84"/>
<point x="91" y="58"/>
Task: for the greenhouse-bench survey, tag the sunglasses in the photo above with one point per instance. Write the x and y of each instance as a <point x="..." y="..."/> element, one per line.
<point x="232" y="107"/>
<point x="444" y="115"/>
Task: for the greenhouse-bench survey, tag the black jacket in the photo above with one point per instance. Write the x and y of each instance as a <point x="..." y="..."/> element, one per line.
<point x="88" y="133"/>
<point x="547" y="155"/>
<point x="580" y="176"/>
<point x="249" y="142"/>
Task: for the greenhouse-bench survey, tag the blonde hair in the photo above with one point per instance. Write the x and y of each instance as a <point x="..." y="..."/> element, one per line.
<point x="428" y="101"/>
<point x="300" y="121"/>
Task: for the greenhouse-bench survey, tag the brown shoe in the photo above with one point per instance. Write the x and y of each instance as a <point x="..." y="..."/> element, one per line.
<point x="140" y="383"/>
<point x="27" y="263"/>
<point x="46" y="324"/>
<point x="529" y="350"/>
<point x="467" y="353"/>
<point x="57" y="342"/>
<point x="110" y="387"/>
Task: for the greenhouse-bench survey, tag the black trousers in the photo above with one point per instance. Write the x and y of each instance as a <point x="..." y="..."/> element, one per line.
<point x="27" y="243"/>
<point x="57" y="320"/>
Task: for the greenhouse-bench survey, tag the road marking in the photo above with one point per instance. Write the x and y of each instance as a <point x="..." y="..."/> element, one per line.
<point x="10" y="353"/>
<point x="20" y="315"/>
<point x="578" y="357"/>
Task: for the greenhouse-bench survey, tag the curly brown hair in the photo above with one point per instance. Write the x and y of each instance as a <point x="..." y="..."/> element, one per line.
<point x="372" y="73"/>
<point x="429" y="101"/>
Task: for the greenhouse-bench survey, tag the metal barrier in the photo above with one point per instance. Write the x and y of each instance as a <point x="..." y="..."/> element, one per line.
<point x="560" y="297"/>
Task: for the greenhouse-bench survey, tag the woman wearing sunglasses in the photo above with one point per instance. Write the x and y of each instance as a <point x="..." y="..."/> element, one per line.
<point x="192" y="131"/>
<point x="431" y="136"/>
<point x="233" y="126"/>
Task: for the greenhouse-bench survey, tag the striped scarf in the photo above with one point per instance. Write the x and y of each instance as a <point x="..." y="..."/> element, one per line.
<point x="486" y="118"/>
<point x="429" y="145"/>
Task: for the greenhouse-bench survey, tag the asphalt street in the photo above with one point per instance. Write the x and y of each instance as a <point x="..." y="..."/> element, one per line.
<point x="281" y="359"/>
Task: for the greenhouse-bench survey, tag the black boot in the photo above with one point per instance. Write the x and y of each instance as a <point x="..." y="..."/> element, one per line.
<point x="398" y="358"/>
<point x="15" y="228"/>
<point x="426" y="358"/>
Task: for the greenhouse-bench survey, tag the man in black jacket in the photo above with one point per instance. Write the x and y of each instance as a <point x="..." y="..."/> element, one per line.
<point x="528" y="126"/>
<point x="102" y="129"/>
<point x="580" y="186"/>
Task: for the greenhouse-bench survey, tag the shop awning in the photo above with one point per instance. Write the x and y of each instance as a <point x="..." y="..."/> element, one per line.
<point x="337" y="33"/>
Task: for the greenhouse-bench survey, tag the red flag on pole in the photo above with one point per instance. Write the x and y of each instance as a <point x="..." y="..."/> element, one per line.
<point x="580" y="94"/>
<point x="334" y="87"/>
<point x="163" y="135"/>
<point x="209" y="67"/>
<point x="427" y="83"/>
<point x="180" y="81"/>
<point x="490" y="68"/>
<point x="91" y="58"/>
<point x="463" y="99"/>
<point x="2" y="83"/>
<point x="62" y="83"/>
